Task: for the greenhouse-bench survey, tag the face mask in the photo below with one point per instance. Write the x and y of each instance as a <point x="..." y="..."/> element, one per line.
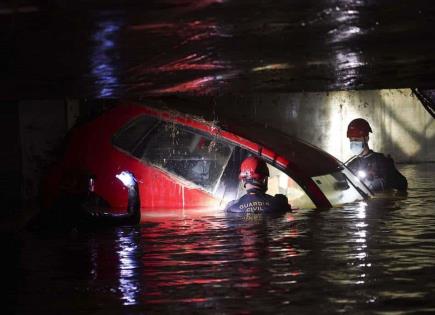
<point x="356" y="147"/>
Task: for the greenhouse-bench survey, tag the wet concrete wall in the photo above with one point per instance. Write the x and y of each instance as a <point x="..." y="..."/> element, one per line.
<point x="43" y="126"/>
<point x="10" y="158"/>
<point x="401" y="126"/>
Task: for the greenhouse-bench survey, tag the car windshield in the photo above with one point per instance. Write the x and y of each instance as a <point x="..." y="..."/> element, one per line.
<point x="131" y="135"/>
<point x="197" y="158"/>
<point x="339" y="187"/>
<point x="281" y="183"/>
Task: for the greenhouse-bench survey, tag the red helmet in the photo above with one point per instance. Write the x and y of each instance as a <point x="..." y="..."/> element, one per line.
<point x="358" y="128"/>
<point x="253" y="168"/>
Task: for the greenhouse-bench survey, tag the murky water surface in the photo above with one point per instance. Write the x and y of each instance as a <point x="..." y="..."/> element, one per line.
<point x="375" y="257"/>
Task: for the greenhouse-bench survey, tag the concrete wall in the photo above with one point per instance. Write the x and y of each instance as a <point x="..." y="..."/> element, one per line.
<point x="42" y="129"/>
<point x="401" y="126"/>
<point x="43" y="126"/>
<point x="10" y="159"/>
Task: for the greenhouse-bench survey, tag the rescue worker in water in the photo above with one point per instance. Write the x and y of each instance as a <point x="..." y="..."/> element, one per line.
<point x="376" y="170"/>
<point x="254" y="175"/>
<point x="78" y="211"/>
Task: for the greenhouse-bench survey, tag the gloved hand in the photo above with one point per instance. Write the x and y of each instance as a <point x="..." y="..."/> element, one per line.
<point x="126" y="178"/>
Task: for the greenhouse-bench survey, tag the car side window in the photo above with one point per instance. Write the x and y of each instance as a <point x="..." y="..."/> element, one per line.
<point x="132" y="134"/>
<point x="196" y="157"/>
<point x="281" y="183"/>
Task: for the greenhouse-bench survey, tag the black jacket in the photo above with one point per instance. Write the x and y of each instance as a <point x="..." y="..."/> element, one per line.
<point x="256" y="201"/>
<point x="380" y="172"/>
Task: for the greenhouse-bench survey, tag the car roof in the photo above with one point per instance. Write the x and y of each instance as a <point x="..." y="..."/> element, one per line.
<point x="298" y="154"/>
<point x="307" y="158"/>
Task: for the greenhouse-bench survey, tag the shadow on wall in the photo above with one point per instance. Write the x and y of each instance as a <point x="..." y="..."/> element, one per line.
<point x="411" y="131"/>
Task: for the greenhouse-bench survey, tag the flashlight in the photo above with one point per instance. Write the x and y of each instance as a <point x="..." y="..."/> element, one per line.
<point x="361" y="174"/>
<point x="126" y="178"/>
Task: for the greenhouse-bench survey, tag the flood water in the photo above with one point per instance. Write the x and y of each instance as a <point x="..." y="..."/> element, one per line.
<point x="373" y="257"/>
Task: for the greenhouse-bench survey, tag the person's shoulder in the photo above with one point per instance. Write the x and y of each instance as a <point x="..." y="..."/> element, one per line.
<point x="378" y="156"/>
<point x="230" y="205"/>
<point x="234" y="204"/>
<point x="274" y="199"/>
<point x="382" y="157"/>
<point x="267" y="196"/>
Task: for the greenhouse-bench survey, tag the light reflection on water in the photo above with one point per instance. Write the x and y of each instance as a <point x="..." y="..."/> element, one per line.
<point x="377" y="256"/>
<point x="103" y="58"/>
<point x="193" y="66"/>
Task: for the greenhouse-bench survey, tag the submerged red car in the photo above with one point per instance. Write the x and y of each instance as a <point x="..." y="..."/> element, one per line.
<point x="187" y="164"/>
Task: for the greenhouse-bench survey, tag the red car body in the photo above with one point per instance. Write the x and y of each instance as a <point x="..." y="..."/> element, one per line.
<point x="149" y="141"/>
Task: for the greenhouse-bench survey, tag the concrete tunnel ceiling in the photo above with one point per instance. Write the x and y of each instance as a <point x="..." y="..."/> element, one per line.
<point x="135" y="49"/>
